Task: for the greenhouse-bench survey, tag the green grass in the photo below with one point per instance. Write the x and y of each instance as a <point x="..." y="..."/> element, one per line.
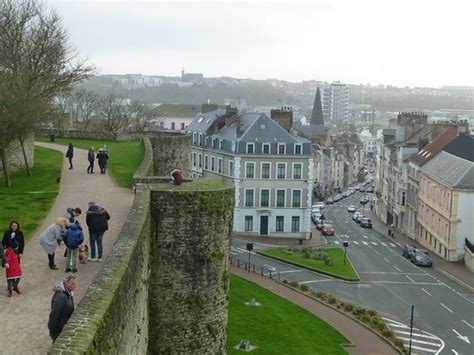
<point x="31" y="197"/>
<point x="196" y="185"/>
<point x="125" y="157"/>
<point x="337" y="255"/>
<point x="277" y="326"/>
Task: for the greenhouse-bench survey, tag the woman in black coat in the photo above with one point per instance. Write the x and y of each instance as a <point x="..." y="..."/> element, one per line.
<point x="70" y="154"/>
<point x="14" y="232"/>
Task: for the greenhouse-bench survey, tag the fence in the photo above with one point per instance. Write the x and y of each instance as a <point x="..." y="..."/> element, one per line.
<point x="262" y="270"/>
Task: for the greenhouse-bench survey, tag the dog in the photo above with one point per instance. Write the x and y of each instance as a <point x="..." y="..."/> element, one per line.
<point x="83" y="254"/>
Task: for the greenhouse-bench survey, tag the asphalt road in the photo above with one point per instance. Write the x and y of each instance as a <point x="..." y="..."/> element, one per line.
<point x="444" y="310"/>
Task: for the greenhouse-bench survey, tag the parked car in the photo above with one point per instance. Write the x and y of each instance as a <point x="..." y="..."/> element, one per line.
<point x="362" y="189"/>
<point x="421" y="257"/>
<point x="315" y="217"/>
<point x="315" y="210"/>
<point x="327" y="229"/>
<point x="351" y="208"/>
<point x="370" y="189"/>
<point x="319" y="224"/>
<point x="359" y="218"/>
<point x="320" y="205"/>
<point x="366" y="223"/>
<point x="357" y="188"/>
<point x="329" y="201"/>
<point x="355" y="215"/>
<point x="408" y="251"/>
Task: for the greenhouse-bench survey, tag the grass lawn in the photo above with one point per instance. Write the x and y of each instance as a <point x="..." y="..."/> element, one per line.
<point x="125" y="157"/>
<point x="277" y="326"/>
<point x="336" y="254"/>
<point x="31" y="197"/>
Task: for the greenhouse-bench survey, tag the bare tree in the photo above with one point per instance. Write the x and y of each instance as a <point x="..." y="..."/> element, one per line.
<point x="36" y="64"/>
<point x="141" y="114"/>
<point x="112" y="113"/>
<point x="83" y="107"/>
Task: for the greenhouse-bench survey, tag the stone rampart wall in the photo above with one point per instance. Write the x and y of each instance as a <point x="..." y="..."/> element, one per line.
<point x="78" y="134"/>
<point x="171" y="151"/>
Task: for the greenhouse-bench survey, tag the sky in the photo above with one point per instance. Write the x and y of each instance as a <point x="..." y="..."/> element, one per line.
<point x="397" y="42"/>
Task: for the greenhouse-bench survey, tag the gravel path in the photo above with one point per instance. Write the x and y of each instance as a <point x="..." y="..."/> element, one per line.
<point x="23" y="318"/>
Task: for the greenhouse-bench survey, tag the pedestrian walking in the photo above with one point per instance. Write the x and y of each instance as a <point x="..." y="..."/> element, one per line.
<point x="72" y="214"/>
<point x="97" y="219"/>
<point x="51" y="238"/>
<point x="102" y="158"/>
<point x="70" y="154"/>
<point x="91" y="159"/>
<point x="62" y="306"/>
<point x="73" y="237"/>
<point x="176" y="177"/>
<point x="13" y="271"/>
<point x="14" y="232"/>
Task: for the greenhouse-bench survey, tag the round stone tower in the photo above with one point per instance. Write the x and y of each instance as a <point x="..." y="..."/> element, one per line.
<point x="171" y="150"/>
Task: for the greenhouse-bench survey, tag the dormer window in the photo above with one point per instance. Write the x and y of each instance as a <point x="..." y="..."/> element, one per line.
<point x="281" y="148"/>
<point x="266" y="148"/>
<point x="221" y="143"/>
<point x="200" y="119"/>
<point x="298" y="149"/>
<point x="250" y="148"/>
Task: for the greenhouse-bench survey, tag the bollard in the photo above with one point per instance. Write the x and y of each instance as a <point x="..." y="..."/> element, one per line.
<point x="253" y="268"/>
<point x="238" y="262"/>
<point x="271" y="274"/>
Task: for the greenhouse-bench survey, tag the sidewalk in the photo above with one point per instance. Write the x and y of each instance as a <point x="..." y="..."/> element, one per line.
<point x="24" y="318"/>
<point x="455" y="270"/>
<point x="365" y="342"/>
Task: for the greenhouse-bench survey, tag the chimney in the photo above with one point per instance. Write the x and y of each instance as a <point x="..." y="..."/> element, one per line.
<point x="283" y="116"/>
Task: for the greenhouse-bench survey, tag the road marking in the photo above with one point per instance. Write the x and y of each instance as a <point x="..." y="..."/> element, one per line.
<point x="365" y="243"/>
<point x="398" y="244"/>
<point x="244" y="251"/>
<point x="365" y="237"/>
<point x="289" y="271"/>
<point x="388" y="261"/>
<point x="373" y="243"/>
<point x="468" y="324"/>
<point x="376" y="252"/>
<point x="392" y="245"/>
<point x="418" y="341"/>
<point x="462" y="337"/>
<point x="429" y="294"/>
<point x="398" y="269"/>
<point x="314" y="281"/>
<point x="443" y="305"/>
<point x="409" y="278"/>
<point x="419" y="335"/>
<point x="455" y="352"/>
<point x="383" y="244"/>
<point x="356" y="243"/>
<point x="404" y="283"/>
<point x="337" y="242"/>
<point x="424" y="349"/>
<point x="387" y="272"/>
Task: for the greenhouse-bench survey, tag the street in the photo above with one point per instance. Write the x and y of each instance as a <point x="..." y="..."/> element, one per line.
<point x="444" y="312"/>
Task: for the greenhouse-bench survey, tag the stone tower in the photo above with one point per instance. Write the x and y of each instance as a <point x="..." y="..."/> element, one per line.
<point x="317" y="114"/>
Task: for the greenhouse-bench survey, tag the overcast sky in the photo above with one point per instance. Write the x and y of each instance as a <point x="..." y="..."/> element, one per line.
<point x="399" y="42"/>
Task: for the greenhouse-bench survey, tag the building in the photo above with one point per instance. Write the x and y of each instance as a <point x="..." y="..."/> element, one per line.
<point x="369" y="141"/>
<point x="335" y="102"/>
<point x="315" y="131"/>
<point x="271" y="168"/>
<point x="445" y="201"/>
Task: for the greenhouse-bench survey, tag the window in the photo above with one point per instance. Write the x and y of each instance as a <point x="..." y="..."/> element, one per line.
<point x="297" y="171"/>
<point x="281" y="171"/>
<point x="249" y="198"/>
<point x="173" y="125"/>
<point x="194" y="159"/>
<point x="220" y="165"/>
<point x="200" y="161"/>
<point x="214" y="143"/>
<point x="280" y="223"/>
<point x="182" y="126"/>
<point x="250" y="148"/>
<point x="249" y="223"/>
<point x="221" y="143"/>
<point x="296" y="198"/>
<point x="194" y="138"/>
<point x="206" y="162"/>
<point x="213" y="163"/>
<point x="231" y="168"/>
<point x="403" y="198"/>
<point x="280" y="198"/>
<point x="266" y="148"/>
<point x="281" y="148"/>
<point x="201" y="139"/>
<point x="265" y="171"/>
<point x="200" y="119"/>
<point x="264" y="198"/>
<point x="298" y="149"/>
<point x="249" y="170"/>
<point x="295" y="224"/>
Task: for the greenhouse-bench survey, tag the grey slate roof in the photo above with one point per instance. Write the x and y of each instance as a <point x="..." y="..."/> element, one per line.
<point x="200" y="126"/>
<point x="317" y="114"/>
<point x="462" y="146"/>
<point x="452" y="171"/>
<point x="310" y="130"/>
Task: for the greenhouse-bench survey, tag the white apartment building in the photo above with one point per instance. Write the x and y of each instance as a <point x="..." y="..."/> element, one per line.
<point x="335" y="101"/>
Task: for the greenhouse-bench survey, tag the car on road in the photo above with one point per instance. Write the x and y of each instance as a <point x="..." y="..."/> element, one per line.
<point x="364" y="200"/>
<point x="362" y="189"/>
<point x="408" y="250"/>
<point x="421" y="258"/>
<point x="329" y="201"/>
<point x="327" y="229"/>
<point x="357" y="188"/>
<point x="366" y="223"/>
<point x="319" y="224"/>
<point x="337" y="198"/>
<point x="315" y="210"/>
<point x="355" y="215"/>
<point x="370" y="189"/>
<point x="315" y="217"/>
<point x="319" y="205"/>
<point x="359" y="217"/>
<point x="351" y="208"/>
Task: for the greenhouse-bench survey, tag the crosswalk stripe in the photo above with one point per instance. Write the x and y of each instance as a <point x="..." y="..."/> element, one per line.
<point x="336" y="242"/>
<point x="373" y="243"/>
<point x="365" y="237"/>
<point x="365" y="243"/>
<point x="419" y="335"/>
<point x="424" y="349"/>
<point x="383" y="244"/>
<point x="356" y="243"/>
<point x="393" y="245"/>
<point x="418" y="341"/>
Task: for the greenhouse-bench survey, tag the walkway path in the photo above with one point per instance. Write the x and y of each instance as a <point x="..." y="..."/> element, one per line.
<point x="23" y="318"/>
<point x="365" y="342"/>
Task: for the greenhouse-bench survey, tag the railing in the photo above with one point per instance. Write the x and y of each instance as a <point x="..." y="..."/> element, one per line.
<point x="262" y="270"/>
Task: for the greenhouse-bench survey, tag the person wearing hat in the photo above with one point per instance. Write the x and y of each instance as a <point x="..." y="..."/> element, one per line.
<point x="13" y="272"/>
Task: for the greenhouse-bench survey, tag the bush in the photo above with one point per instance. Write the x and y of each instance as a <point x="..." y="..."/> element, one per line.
<point x="348" y="307"/>
<point x="366" y="318"/>
<point x="387" y="333"/>
<point x="398" y="343"/>
<point x="285" y="281"/>
<point x="331" y="299"/>
<point x="324" y="298"/>
<point x="294" y="284"/>
<point x="319" y="294"/>
<point x="304" y="288"/>
<point x="372" y="312"/>
<point x="359" y="311"/>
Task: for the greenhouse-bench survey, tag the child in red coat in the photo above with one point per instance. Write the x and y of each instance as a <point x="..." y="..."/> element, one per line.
<point x="13" y="272"/>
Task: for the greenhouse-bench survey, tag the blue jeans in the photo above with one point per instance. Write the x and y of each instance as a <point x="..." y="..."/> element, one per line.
<point x="96" y="238"/>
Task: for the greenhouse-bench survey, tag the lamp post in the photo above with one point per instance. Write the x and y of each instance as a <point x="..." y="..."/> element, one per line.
<point x="345" y="244"/>
<point x="249" y="248"/>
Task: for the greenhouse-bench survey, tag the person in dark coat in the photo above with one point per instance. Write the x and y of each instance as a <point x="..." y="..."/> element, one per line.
<point x="72" y="214"/>
<point x="176" y="177"/>
<point x="62" y="306"/>
<point x="70" y="154"/>
<point x="14" y="232"/>
<point x="73" y="237"/>
<point x="97" y="220"/>
<point x="91" y="159"/>
<point x="102" y="158"/>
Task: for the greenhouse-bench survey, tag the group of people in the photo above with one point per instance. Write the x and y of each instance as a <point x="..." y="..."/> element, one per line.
<point x="102" y="157"/>
<point x="65" y="230"/>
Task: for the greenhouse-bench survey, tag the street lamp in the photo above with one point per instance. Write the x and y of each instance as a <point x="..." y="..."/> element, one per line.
<point x="345" y="244"/>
